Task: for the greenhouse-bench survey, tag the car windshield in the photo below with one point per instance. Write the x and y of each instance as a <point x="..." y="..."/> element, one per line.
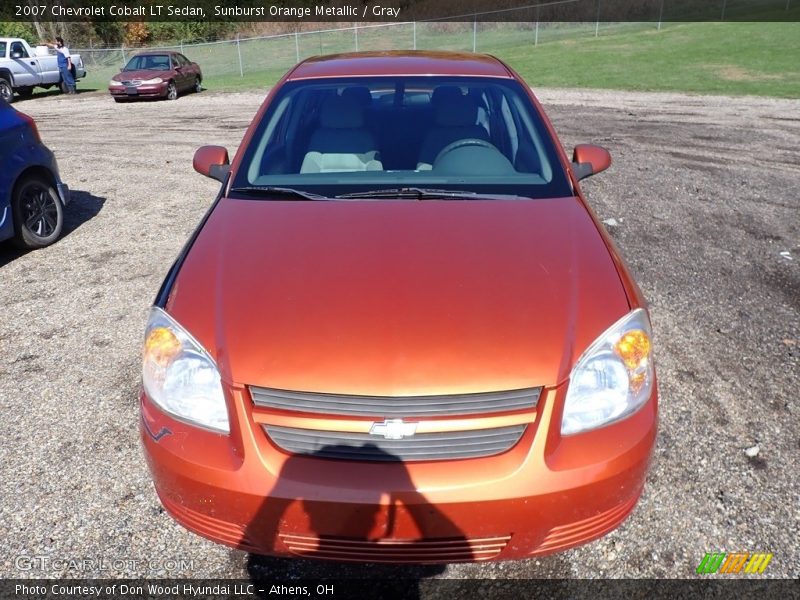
<point x="148" y="62"/>
<point x="415" y="136"/>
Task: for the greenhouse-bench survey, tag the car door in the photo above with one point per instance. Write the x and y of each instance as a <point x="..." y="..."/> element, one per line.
<point x="181" y="77"/>
<point x="191" y="70"/>
<point x="24" y="68"/>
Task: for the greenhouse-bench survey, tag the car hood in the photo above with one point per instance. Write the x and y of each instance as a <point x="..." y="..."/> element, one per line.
<point x="141" y="74"/>
<point x="397" y="297"/>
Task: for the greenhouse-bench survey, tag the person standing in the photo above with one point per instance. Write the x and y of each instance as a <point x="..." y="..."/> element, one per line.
<point x="64" y="65"/>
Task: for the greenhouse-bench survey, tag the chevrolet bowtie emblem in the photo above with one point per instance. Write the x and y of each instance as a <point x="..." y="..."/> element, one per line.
<point x="393" y="429"/>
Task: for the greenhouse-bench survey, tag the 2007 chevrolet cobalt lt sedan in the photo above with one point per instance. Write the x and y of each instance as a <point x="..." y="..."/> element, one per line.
<point x="399" y="334"/>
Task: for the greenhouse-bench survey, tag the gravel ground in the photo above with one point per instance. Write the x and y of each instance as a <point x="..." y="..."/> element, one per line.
<point x="702" y="201"/>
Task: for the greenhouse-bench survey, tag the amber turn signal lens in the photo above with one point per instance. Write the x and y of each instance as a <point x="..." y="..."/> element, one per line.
<point x="633" y="348"/>
<point x="161" y="346"/>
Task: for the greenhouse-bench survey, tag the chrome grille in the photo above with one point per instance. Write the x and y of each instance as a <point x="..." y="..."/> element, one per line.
<point x="396" y="406"/>
<point x="451" y="445"/>
<point x="132" y="82"/>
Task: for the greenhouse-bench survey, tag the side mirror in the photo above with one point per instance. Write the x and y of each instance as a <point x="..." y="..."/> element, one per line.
<point x="212" y="161"/>
<point x="589" y="160"/>
<point x="16" y="55"/>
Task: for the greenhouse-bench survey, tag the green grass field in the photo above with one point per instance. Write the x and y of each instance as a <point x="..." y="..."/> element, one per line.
<point x="707" y="58"/>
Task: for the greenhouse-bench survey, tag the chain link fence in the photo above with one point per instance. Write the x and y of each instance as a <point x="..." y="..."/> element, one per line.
<point x="266" y="58"/>
<point x="262" y="60"/>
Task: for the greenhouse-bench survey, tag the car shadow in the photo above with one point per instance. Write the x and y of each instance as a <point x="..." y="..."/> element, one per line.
<point x="83" y="207"/>
<point x="380" y="518"/>
<point x="54" y="92"/>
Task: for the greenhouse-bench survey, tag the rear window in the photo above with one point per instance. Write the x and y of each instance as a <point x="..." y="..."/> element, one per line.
<point x="337" y="136"/>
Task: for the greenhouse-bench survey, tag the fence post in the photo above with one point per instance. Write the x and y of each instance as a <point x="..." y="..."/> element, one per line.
<point x="181" y="46"/>
<point x="296" y="46"/>
<point x="660" y="14"/>
<point x="536" y="35"/>
<point x="355" y="33"/>
<point x="475" y="33"/>
<point x="724" y="3"/>
<point x="239" y="51"/>
<point x="597" y="22"/>
<point x="123" y="54"/>
<point x="415" y="31"/>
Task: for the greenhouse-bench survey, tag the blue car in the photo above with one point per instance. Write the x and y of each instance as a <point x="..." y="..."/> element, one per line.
<point x="32" y="195"/>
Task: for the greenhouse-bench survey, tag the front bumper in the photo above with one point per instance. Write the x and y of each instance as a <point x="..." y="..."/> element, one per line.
<point x="545" y="495"/>
<point x="157" y="90"/>
<point x="63" y="192"/>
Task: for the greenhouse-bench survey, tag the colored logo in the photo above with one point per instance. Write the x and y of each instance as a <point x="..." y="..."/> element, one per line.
<point x="734" y="562"/>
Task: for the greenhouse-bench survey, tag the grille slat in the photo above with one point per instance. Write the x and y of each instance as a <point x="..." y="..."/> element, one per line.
<point x="415" y="551"/>
<point x="426" y="446"/>
<point x="396" y="406"/>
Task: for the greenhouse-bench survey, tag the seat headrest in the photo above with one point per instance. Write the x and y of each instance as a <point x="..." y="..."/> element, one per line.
<point x="455" y="111"/>
<point x="341" y="113"/>
<point x="357" y="94"/>
<point x="444" y="94"/>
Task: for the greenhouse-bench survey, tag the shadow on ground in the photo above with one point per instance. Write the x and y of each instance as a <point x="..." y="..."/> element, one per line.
<point x="51" y="93"/>
<point x="83" y="207"/>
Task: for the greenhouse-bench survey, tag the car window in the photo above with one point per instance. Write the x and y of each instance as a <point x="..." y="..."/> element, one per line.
<point x="157" y="62"/>
<point x="2" y="49"/>
<point x="18" y="47"/>
<point x="339" y="136"/>
<point x="182" y="60"/>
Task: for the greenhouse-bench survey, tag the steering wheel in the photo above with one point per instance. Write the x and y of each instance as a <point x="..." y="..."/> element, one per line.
<point x="466" y="142"/>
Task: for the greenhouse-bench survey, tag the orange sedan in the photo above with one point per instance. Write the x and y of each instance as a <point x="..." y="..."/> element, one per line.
<point x="399" y="334"/>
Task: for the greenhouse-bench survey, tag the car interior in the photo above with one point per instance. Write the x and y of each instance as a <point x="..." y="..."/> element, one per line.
<point x="149" y="62"/>
<point x="471" y="128"/>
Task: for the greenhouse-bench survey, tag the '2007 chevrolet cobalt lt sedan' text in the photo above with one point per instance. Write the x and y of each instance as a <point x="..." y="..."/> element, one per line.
<point x="399" y="334"/>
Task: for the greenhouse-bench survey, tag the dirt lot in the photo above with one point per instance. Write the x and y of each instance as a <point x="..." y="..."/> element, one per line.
<point x="705" y="207"/>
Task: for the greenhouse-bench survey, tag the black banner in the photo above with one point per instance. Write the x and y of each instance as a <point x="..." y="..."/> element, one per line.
<point x="388" y="589"/>
<point x="399" y="10"/>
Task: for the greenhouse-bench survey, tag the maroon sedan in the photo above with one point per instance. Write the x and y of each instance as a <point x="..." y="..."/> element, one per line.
<point x="160" y="74"/>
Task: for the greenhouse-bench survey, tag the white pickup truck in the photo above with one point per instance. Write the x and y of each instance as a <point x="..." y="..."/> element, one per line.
<point x="23" y="68"/>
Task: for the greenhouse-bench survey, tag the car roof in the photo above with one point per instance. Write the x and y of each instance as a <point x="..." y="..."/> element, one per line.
<point x="407" y="62"/>
<point x="156" y="53"/>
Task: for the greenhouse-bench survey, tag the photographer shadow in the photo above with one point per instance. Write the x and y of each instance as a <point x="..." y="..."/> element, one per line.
<point x="369" y="526"/>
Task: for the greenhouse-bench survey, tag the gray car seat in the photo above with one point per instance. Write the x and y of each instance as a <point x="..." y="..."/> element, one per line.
<point x="342" y="143"/>
<point x="454" y="118"/>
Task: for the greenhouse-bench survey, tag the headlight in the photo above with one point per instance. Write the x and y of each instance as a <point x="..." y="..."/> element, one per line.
<point x="613" y="378"/>
<point x="179" y="375"/>
<point x="113" y="82"/>
<point x="152" y="81"/>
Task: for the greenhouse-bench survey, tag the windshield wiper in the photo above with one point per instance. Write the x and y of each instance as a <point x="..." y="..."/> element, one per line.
<point x="414" y="193"/>
<point x="285" y="192"/>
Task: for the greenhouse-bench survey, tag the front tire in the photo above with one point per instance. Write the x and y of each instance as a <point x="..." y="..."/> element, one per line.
<point x="38" y="212"/>
<point x="6" y="91"/>
<point x="172" y="91"/>
<point x="198" y="86"/>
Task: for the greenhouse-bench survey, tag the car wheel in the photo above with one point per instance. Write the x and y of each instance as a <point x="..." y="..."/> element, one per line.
<point x="6" y="91"/>
<point x="172" y="91"/>
<point x="38" y="213"/>
<point x="198" y="87"/>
